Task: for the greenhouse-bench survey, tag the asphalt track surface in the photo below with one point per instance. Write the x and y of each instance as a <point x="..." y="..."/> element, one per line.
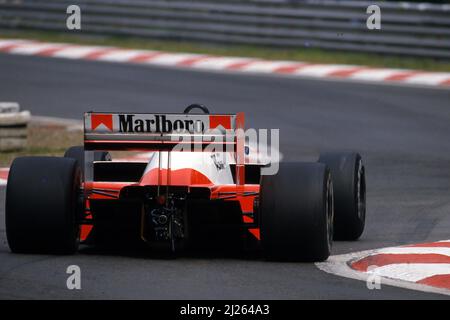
<point x="402" y="132"/>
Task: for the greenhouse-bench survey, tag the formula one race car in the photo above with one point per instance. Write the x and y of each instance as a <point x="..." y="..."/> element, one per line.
<point x="185" y="188"/>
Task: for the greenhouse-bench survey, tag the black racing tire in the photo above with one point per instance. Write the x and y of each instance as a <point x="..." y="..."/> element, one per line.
<point x="296" y="213"/>
<point x="77" y="153"/>
<point x="348" y="172"/>
<point x="43" y="205"/>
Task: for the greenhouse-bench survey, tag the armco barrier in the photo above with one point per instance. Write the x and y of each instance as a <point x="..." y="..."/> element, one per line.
<point x="414" y="29"/>
<point x="13" y="126"/>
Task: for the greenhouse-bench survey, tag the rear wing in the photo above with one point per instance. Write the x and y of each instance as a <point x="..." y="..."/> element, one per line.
<point x="154" y="131"/>
<point x="166" y="132"/>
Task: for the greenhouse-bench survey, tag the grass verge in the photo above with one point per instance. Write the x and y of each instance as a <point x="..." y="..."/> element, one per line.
<point x="51" y="140"/>
<point x="44" y="141"/>
<point x="302" y="54"/>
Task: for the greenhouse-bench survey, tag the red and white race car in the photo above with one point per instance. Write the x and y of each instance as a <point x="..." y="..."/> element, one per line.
<point x="185" y="192"/>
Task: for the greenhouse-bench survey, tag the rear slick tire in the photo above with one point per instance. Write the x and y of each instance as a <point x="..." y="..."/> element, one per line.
<point x="43" y="205"/>
<point x="349" y="180"/>
<point x="296" y="212"/>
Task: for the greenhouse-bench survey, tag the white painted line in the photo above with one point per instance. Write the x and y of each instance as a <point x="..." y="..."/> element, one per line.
<point x="262" y="66"/>
<point x="77" y="52"/>
<point x="217" y="63"/>
<point x="30" y="49"/>
<point x="375" y="74"/>
<point x="123" y="55"/>
<point x="203" y="62"/>
<point x="171" y="59"/>
<point x="415" y="250"/>
<point x="429" y="78"/>
<point x="321" y="70"/>
<point x="339" y="265"/>
<point x="411" y="271"/>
